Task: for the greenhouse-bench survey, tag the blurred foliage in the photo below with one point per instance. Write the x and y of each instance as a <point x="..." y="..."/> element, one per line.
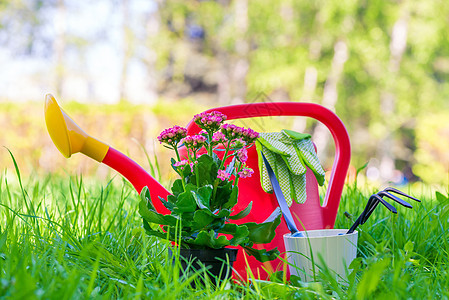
<point x="287" y="39"/>
<point x="124" y="126"/>
<point x="391" y="84"/>
<point x="432" y="155"/>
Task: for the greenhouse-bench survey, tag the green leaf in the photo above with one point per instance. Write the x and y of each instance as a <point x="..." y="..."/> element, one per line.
<point x="233" y="198"/>
<point x="224" y="213"/>
<point x="240" y="236"/>
<point x="172" y="199"/>
<point x="222" y="195"/>
<point x="174" y="233"/>
<point x="208" y="239"/>
<point x="173" y="161"/>
<point x="216" y="159"/>
<point x="242" y="213"/>
<point x="150" y="231"/>
<point x="239" y="233"/>
<point x="202" y="218"/>
<point x="186" y="203"/>
<point x="146" y="196"/>
<point x="207" y="170"/>
<point x="202" y="196"/>
<point x="355" y="266"/>
<point x="262" y="254"/>
<point x="264" y="232"/>
<point x="369" y="282"/>
<point x="152" y="216"/>
<point x="441" y="198"/>
<point x="229" y="228"/>
<point x="177" y="187"/>
<point x="168" y="204"/>
<point x="186" y="171"/>
<point x="217" y="224"/>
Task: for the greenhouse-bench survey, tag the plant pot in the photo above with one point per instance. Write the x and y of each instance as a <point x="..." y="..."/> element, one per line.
<point x="214" y="260"/>
<point x="336" y="249"/>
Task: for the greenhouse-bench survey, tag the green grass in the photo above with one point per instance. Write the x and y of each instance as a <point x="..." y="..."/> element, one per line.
<point x="66" y="238"/>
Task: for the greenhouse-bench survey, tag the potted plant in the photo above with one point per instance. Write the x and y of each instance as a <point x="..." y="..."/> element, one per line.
<point x="204" y="197"/>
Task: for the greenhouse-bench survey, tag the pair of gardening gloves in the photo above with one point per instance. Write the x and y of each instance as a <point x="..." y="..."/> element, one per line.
<point x="288" y="153"/>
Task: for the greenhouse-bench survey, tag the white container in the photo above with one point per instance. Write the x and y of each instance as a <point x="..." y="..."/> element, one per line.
<point x="337" y="251"/>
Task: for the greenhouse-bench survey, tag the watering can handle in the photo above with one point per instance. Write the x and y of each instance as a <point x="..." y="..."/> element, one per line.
<point x="312" y="110"/>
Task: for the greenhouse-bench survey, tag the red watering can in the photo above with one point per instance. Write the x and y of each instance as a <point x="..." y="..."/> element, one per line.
<point x="311" y="214"/>
<point x="69" y="139"/>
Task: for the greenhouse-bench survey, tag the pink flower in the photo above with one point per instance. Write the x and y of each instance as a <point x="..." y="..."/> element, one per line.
<point x="181" y="163"/>
<point x="173" y="135"/>
<point x="218" y="138"/>
<point x="242" y="155"/>
<point x="249" y="135"/>
<point x="194" y="142"/>
<point x="209" y="121"/>
<point x="223" y="175"/>
<point x="246" y="172"/>
<point x="231" y="131"/>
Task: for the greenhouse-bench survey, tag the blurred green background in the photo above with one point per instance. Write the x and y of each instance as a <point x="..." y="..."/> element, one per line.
<point x="126" y="69"/>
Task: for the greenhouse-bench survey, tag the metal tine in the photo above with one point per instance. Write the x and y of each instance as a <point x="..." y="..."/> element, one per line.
<point x="354" y="226"/>
<point x="360" y="218"/>
<point x="376" y="202"/>
<point x="388" y="205"/>
<point x="370" y="206"/>
<point x="390" y="189"/>
<point x="395" y="198"/>
<point x="375" y="199"/>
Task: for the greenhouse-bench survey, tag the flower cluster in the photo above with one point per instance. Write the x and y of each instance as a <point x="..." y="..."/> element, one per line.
<point x="195" y="142"/>
<point x="232" y="131"/>
<point x="218" y="138"/>
<point x="242" y="155"/>
<point x="249" y="135"/>
<point x="211" y="121"/>
<point x="232" y="140"/>
<point x="181" y="163"/>
<point x="172" y="136"/>
<point x="223" y="175"/>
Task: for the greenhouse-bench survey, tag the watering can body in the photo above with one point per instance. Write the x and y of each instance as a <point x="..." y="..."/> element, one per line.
<point x="69" y="139"/>
<point x="309" y="215"/>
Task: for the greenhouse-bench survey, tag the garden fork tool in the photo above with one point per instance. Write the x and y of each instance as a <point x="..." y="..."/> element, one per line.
<point x="374" y="201"/>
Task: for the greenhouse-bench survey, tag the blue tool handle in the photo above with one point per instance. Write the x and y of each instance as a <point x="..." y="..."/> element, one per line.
<point x="281" y="200"/>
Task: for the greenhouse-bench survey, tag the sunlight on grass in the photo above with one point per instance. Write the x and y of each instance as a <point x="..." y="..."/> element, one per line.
<point x="65" y="237"/>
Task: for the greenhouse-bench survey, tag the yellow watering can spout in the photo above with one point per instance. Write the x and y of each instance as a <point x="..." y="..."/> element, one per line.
<point x="68" y="137"/>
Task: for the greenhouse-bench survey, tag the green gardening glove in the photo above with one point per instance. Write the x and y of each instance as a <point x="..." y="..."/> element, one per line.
<point x="286" y="164"/>
<point x="288" y="153"/>
<point x="306" y="151"/>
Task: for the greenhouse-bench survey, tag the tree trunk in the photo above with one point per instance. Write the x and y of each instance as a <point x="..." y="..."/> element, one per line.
<point x="398" y="45"/>
<point x="310" y="81"/>
<point x="241" y="66"/>
<point x="153" y="27"/>
<point x="126" y="50"/>
<point x="224" y="80"/>
<point x="59" y="46"/>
